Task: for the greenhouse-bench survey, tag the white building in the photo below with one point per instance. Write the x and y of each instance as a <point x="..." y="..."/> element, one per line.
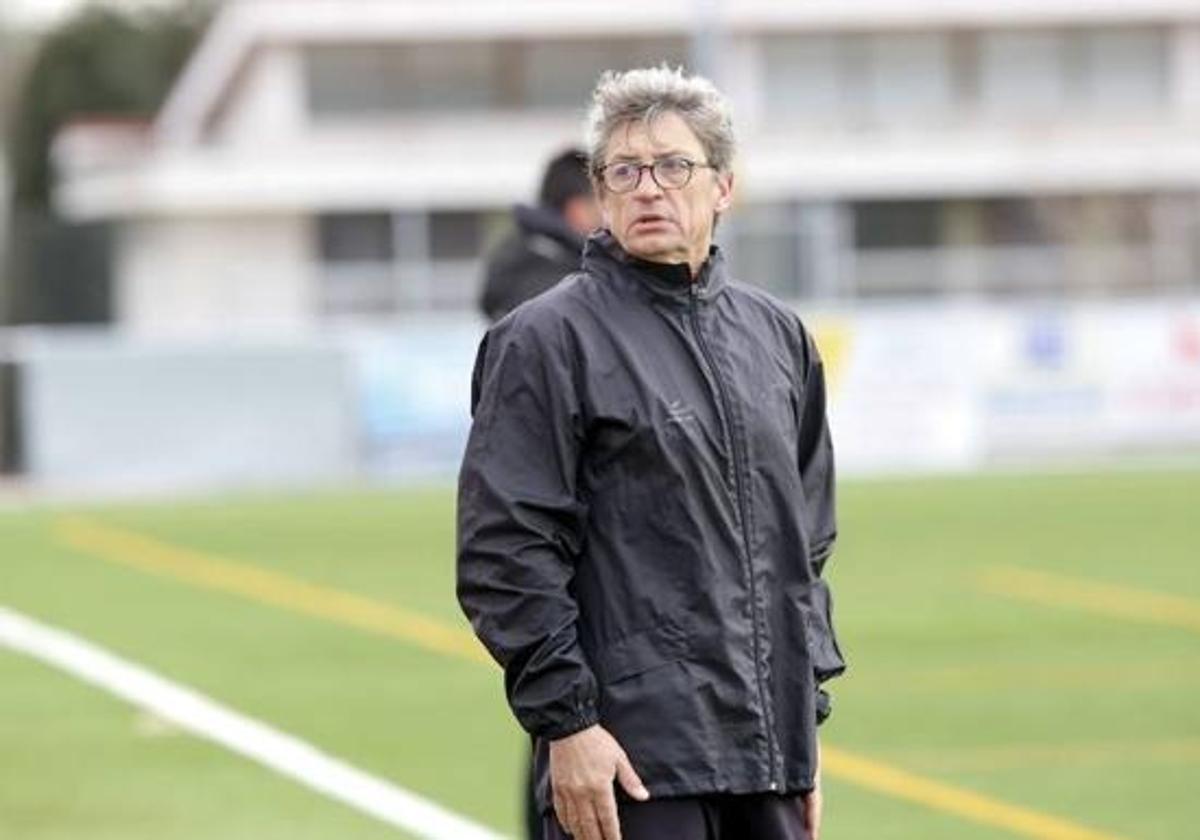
<point x="324" y="159"/>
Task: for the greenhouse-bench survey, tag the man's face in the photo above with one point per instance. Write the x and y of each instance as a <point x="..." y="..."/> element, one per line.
<point x="656" y="224"/>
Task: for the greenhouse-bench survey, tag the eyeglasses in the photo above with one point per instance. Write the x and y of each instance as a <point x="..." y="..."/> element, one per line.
<point x="670" y="173"/>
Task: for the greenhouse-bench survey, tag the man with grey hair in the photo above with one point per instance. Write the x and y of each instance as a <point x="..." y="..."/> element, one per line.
<point x="646" y="505"/>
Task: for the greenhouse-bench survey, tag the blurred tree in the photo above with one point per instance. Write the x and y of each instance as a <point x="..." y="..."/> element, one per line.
<point x="104" y="60"/>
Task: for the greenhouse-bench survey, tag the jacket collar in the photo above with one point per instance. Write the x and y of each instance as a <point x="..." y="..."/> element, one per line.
<point x="603" y="253"/>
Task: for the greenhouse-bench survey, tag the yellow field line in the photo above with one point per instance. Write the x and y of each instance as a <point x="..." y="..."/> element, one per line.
<point x="131" y="549"/>
<point x="983" y="677"/>
<point x="888" y="780"/>
<point x="1071" y="754"/>
<point x="128" y="548"/>
<point x="1105" y="598"/>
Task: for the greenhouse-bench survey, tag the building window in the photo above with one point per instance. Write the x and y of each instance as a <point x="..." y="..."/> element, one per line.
<point x="1123" y="68"/>
<point x="390" y="78"/>
<point x="356" y="238"/>
<point x="859" y="78"/>
<point x="883" y="79"/>
<point x="345" y="80"/>
<point x="1019" y="221"/>
<point x="764" y="247"/>
<point x="803" y="77"/>
<point x="561" y="74"/>
<point x="455" y="235"/>
<point x="1022" y="73"/>
<point x="1042" y="73"/>
<point x="897" y="224"/>
<point x="1009" y="246"/>
<point x="898" y="248"/>
<point x="903" y="75"/>
<point x="382" y="263"/>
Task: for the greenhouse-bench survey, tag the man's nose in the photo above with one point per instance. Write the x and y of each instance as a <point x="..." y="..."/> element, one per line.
<point x="647" y="188"/>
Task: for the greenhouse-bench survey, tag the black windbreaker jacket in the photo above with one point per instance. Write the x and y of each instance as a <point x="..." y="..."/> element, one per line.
<point x="645" y="507"/>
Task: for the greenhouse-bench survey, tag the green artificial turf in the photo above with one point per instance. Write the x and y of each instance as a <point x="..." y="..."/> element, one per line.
<point x="1073" y="713"/>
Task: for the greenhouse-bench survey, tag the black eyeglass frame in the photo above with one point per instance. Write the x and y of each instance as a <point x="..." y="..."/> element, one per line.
<point x="691" y="165"/>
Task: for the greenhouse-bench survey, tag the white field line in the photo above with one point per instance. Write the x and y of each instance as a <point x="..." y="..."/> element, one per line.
<point x="253" y="739"/>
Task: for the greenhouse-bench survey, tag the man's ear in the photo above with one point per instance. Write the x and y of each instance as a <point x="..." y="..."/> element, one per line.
<point x="724" y="184"/>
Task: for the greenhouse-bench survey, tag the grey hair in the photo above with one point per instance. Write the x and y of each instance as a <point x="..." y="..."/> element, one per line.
<point x="645" y="93"/>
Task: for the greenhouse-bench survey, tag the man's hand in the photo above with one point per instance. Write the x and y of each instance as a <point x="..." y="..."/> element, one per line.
<point x="813" y="803"/>
<point x="582" y="769"/>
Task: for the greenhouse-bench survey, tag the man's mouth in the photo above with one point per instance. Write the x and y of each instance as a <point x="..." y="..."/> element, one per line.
<point x="651" y="220"/>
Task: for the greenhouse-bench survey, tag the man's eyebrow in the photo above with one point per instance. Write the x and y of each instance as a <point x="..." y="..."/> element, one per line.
<point x="666" y="154"/>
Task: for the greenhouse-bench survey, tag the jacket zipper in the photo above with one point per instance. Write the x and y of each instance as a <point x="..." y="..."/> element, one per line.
<point x="743" y="513"/>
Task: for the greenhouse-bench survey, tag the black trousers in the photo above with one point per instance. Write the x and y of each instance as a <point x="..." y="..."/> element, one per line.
<point x="754" y="816"/>
<point x="533" y="819"/>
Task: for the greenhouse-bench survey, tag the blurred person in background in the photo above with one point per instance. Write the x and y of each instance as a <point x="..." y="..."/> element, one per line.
<point x="548" y="241"/>
<point x="646" y="506"/>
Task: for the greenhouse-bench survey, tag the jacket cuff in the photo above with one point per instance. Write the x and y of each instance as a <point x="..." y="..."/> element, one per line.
<point x="579" y="720"/>
<point x="824" y="705"/>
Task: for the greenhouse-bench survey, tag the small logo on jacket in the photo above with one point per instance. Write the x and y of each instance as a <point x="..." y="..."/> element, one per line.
<point x="679" y="413"/>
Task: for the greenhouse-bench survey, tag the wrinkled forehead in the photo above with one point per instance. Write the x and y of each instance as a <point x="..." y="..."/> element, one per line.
<point x="664" y="134"/>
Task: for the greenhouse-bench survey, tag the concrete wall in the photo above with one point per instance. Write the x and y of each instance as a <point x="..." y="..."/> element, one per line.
<point x="206" y="273"/>
<point x="267" y="107"/>
<point x="99" y="410"/>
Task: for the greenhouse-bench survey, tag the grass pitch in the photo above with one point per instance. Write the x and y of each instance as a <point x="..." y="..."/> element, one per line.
<point x="1073" y="696"/>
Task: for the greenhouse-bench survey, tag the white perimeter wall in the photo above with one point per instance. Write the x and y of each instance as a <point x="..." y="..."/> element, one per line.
<point x="913" y="388"/>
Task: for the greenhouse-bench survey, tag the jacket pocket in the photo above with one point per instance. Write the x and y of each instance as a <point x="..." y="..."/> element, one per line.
<point x="642" y="651"/>
<point x="822" y="646"/>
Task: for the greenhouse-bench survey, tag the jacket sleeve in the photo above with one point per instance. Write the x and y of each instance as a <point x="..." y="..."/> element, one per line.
<point x="817" y="479"/>
<point x="520" y="526"/>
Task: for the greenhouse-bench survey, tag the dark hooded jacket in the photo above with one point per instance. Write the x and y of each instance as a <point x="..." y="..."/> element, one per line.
<point x="645" y="508"/>
<point x="541" y="251"/>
